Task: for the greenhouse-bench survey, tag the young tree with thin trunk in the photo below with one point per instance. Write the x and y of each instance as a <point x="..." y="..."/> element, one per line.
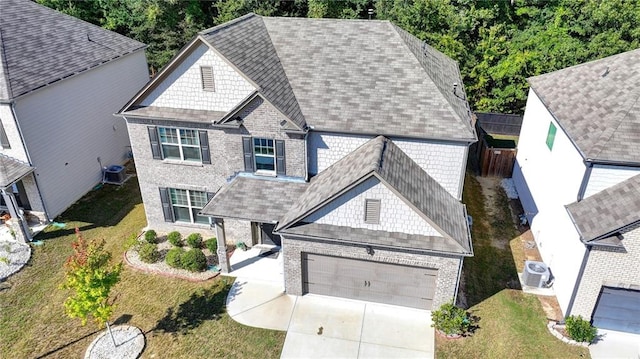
<point x="90" y="276"/>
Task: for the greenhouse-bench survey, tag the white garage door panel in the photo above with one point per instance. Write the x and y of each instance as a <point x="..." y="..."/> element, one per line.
<point x="370" y="281"/>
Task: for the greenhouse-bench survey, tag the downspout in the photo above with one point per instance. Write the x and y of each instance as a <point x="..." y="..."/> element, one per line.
<point x="585" y="180"/>
<point x="306" y="158"/>
<point x="455" y="296"/>
<point x="26" y="152"/>
<point x="463" y="171"/>
<point x="585" y="260"/>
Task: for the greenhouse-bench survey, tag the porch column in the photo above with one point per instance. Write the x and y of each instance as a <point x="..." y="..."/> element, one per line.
<point x="18" y="224"/>
<point x="223" y="256"/>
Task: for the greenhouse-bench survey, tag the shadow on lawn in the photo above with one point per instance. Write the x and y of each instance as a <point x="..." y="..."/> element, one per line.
<point x="102" y="207"/>
<point x="491" y="269"/>
<point x="205" y="304"/>
<point x="123" y="319"/>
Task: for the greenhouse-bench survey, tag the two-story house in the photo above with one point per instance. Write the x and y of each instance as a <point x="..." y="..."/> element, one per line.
<point x="61" y="80"/>
<point x="343" y="142"/>
<point x="578" y="177"/>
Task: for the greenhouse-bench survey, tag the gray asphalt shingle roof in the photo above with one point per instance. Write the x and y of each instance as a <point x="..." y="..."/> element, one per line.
<point x="371" y="77"/>
<point x="352" y="76"/>
<point x="394" y="240"/>
<point x="246" y="43"/>
<point x="380" y="157"/>
<point x="12" y="170"/>
<point x="607" y="211"/>
<point x="39" y="46"/>
<point x="596" y="103"/>
<point x="169" y="113"/>
<point x="258" y="200"/>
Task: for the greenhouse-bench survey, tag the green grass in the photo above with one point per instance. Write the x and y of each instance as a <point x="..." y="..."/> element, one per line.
<point x="180" y="319"/>
<point x="512" y="324"/>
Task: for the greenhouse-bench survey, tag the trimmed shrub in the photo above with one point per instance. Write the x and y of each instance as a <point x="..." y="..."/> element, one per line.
<point x="212" y="245"/>
<point x="151" y="236"/>
<point x="175" y="238"/>
<point x="173" y="257"/>
<point x="194" y="240"/>
<point x="451" y="320"/>
<point x="193" y="260"/>
<point x="580" y="330"/>
<point x="148" y="252"/>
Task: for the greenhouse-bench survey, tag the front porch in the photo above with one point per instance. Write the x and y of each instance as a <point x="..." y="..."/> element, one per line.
<point x="260" y="262"/>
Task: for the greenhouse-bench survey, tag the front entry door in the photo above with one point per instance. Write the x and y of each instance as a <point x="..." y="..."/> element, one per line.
<point x="266" y="233"/>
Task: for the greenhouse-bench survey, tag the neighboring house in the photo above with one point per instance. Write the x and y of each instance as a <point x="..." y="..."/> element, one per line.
<point x="61" y="80"/>
<point x="342" y="141"/>
<point x="578" y="177"/>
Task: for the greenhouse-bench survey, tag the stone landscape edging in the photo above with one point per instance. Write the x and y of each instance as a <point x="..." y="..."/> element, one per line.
<point x="551" y="326"/>
<point x="168" y="275"/>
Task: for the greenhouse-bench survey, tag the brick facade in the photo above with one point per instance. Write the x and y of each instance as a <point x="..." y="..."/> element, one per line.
<point x="260" y="120"/>
<point x="447" y="266"/>
<point x="610" y="267"/>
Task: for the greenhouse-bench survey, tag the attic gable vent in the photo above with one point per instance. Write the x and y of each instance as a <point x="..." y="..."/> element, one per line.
<point x="372" y="211"/>
<point x="206" y="72"/>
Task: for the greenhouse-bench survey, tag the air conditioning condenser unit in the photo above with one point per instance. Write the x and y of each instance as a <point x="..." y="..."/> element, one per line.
<point x="535" y="274"/>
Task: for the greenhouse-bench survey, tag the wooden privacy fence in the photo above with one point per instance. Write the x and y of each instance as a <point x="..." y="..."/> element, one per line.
<point x="497" y="161"/>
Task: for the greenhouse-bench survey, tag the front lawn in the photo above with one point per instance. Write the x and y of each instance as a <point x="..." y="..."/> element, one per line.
<point x="512" y="324"/>
<point x="180" y="319"/>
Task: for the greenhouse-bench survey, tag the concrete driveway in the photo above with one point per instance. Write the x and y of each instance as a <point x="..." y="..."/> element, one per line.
<point x="328" y="327"/>
<point x="615" y="345"/>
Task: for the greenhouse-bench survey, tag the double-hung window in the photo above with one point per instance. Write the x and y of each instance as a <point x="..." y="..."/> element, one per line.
<point x="265" y="154"/>
<point x="180" y="144"/>
<point x="186" y="204"/>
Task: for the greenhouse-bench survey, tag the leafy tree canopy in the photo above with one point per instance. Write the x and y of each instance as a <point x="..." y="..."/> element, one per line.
<point x="89" y="275"/>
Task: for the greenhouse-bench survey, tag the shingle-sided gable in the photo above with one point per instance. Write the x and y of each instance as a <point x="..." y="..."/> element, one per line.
<point x="383" y="161"/>
<point x="596" y="103"/>
<point x="182" y="87"/>
<point x="607" y="211"/>
<point x="39" y="46"/>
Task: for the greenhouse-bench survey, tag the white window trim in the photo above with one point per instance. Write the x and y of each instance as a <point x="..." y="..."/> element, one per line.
<point x="255" y="157"/>
<point x="188" y="206"/>
<point x="180" y="145"/>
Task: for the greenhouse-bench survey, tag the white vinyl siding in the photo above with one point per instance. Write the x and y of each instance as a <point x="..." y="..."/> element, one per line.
<point x="70" y="132"/>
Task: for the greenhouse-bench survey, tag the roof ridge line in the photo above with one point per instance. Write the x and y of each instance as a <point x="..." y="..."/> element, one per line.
<point x="620" y="120"/>
<point x="5" y="69"/>
<point x="227" y="24"/>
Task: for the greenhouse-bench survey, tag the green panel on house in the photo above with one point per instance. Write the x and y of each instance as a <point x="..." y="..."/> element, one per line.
<point x="551" y="135"/>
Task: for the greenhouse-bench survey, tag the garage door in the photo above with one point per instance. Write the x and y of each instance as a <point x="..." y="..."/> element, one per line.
<point x="618" y="309"/>
<point x="371" y="281"/>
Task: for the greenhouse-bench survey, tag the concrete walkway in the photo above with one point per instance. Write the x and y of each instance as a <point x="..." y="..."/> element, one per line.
<point x="615" y="345"/>
<point x="327" y="327"/>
